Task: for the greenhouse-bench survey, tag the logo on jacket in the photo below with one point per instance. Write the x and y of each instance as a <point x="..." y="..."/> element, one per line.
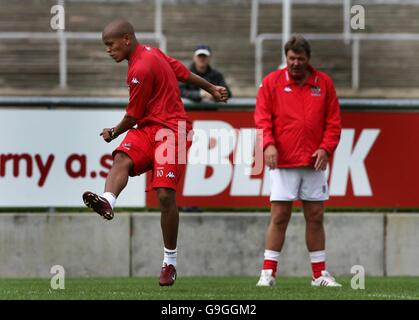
<point x="287" y="89"/>
<point x="135" y="81"/>
<point x="316" y="92"/>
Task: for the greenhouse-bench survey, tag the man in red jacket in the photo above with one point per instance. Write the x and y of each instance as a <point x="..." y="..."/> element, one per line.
<point x="298" y="111"/>
<point x="158" y="132"/>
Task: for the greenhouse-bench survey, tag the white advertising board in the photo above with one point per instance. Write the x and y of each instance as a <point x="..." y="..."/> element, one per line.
<point x="48" y="158"/>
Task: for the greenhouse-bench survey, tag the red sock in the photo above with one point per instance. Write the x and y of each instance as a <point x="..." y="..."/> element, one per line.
<point x="270" y="264"/>
<point x="317" y="268"/>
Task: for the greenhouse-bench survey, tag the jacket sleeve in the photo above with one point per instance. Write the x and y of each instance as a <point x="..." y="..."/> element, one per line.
<point x="333" y="124"/>
<point x="263" y="116"/>
<point x="189" y="93"/>
<point x="182" y="73"/>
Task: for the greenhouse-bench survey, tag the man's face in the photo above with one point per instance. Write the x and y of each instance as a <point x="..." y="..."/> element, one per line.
<point x="201" y="61"/>
<point x="297" y="63"/>
<point x="117" y="48"/>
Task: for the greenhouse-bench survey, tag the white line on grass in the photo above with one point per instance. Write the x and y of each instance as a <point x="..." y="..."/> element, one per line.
<point x="393" y="296"/>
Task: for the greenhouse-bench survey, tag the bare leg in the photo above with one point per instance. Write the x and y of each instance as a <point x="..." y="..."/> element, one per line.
<point x="117" y="178"/>
<point x="315" y="235"/>
<point x="280" y="216"/>
<point x="169" y="217"/>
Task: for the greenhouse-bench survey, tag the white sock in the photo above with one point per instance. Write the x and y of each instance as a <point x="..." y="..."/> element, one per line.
<point x="110" y="197"/>
<point x="271" y="255"/>
<point x="317" y="256"/>
<point x="170" y="256"/>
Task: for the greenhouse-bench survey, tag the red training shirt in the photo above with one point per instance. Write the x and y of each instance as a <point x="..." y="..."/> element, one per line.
<point x="154" y="95"/>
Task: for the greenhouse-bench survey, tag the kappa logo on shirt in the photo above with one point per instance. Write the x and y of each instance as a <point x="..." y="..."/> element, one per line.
<point x="316" y="92"/>
<point x="170" y="175"/>
<point x="135" y="81"/>
<point x="127" y="146"/>
<point x="287" y="89"/>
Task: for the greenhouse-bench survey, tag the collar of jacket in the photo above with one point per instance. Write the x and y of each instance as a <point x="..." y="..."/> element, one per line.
<point x="312" y="80"/>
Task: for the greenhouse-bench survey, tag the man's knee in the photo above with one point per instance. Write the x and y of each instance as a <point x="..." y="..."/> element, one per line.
<point x="167" y="197"/>
<point x="315" y="215"/>
<point x="280" y="220"/>
<point x="122" y="160"/>
<point x="280" y="214"/>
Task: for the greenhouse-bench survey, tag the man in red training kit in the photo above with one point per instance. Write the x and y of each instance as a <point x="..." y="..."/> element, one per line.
<point x="154" y="107"/>
<point x="298" y="111"/>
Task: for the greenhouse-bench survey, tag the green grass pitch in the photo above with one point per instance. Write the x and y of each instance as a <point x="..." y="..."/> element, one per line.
<point x="207" y="288"/>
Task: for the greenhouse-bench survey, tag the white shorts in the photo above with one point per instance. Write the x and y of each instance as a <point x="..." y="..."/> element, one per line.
<point x="298" y="183"/>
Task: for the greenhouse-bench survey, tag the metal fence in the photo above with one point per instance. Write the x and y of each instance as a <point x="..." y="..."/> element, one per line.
<point x="233" y="104"/>
<point x="347" y="36"/>
<point x="63" y="36"/>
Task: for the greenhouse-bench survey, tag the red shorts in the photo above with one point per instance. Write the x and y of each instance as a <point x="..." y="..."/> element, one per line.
<point x="166" y="158"/>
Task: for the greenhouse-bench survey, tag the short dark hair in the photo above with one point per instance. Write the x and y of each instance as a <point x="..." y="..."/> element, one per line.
<point x="298" y="43"/>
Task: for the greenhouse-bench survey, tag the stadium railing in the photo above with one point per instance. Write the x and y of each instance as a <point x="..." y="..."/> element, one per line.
<point x="62" y="36"/>
<point x="233" y="104"/>
<point x="354" y="39"/>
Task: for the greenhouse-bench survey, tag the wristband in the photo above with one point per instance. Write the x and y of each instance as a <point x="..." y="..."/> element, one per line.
<point x="112" y="133"/>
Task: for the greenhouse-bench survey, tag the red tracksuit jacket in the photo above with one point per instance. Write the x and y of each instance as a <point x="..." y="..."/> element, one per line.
<point x="298" y="120"/>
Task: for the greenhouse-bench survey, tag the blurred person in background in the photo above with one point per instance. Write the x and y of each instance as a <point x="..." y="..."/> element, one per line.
<point x="201" y="66"/>
<point x="299" y="113"/>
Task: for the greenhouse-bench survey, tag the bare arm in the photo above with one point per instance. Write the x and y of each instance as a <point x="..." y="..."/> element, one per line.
<point x="219" y="93"/>
<point x="126" y="123"/>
